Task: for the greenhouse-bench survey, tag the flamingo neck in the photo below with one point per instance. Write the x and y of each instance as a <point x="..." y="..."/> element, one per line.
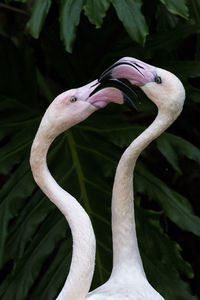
<point x="81" y="271"/>
<point x="125" y="246"/>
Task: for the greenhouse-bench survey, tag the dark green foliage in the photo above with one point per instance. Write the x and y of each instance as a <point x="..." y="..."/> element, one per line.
<point x="129" y="12"/>
<point x="35" y="244"/>
<point x="39" y="12"/>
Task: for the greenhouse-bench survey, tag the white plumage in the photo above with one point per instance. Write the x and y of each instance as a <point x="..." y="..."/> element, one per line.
<point x="128" y="279"/>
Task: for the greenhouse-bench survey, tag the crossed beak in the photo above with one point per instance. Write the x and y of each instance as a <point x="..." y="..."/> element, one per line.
<point x="127" y="92"/>
<point x="133" y="70"/>
<point x="106" y="80"/>
<point x="107" y="74"/>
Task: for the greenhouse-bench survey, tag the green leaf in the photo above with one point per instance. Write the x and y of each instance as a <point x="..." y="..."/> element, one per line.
<point x="172" y="147"/>
<point x="26" y="225"/>
<point x="169" y="153"/>
<point x="175" y="206"/>
<point x="50" y="282"/>
<point x="96" y="11"/>
<point x="18" y="114"/>
<point x="162" y="257"/>
<point x="19" y="125"/>
<point x="12" y="153"/>
<point x="194" y="6"/>
<point x="13" y="196"/>
<point x="129" y="13"/>
<point x="38" y="15"/>
<point x="28" y="268"/>
<point x="177" y="7"/>
<point x="70" y="12"/>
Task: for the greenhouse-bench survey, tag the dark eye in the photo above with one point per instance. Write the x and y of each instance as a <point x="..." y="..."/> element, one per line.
<point x="158" y="79"/>
<point x="73" y="99"/>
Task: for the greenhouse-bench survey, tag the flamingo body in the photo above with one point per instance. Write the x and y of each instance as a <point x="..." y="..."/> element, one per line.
<point x="128" y="280"/>
<point x="68" y="109"/>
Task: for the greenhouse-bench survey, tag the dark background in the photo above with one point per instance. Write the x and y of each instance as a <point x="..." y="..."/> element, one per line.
<point x="35" y="66"/>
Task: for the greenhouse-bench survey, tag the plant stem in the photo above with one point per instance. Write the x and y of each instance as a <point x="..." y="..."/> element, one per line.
<point x="18" y="10"/>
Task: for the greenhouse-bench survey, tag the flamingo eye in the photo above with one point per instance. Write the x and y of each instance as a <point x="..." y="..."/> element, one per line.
<point x="158" y="79"/>
<point x="73" y="99"/>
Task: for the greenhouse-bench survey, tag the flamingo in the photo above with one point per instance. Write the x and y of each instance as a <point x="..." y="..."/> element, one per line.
<point x="128" y="279"/>
<point x="68" y="109"/>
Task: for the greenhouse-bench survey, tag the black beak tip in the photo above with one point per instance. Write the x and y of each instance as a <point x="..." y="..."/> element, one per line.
<point x="104" y="77"/>
<point x="107" y="74"/>
<point x="127" y="92"/>
<point x="129" y="102"/>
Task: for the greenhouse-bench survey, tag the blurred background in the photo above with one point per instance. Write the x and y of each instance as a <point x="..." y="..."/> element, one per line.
<point x="47" y="47"/>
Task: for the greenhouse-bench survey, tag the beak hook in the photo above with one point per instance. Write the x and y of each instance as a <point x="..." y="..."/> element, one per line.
<point x="127" y="92"/>
<point x="107" y="73"/>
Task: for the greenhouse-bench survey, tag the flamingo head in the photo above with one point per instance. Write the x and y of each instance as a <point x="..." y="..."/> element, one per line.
<point x="159" y="85"/>
<point x="75" y="105"/>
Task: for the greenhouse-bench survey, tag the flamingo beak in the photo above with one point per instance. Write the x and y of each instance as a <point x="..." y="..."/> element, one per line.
<point x="135" y="71"/>
<point x="107" y="74"/>
<point x="127" y="92"/>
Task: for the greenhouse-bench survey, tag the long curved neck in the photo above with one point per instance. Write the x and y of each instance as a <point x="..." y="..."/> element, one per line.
<point x="125" y="246"/>
<point x="81" y="271"/>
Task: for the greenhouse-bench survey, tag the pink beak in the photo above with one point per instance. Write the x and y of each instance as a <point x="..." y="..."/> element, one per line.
<point x="135" y="71"/>
<point x="112" y="90"/>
